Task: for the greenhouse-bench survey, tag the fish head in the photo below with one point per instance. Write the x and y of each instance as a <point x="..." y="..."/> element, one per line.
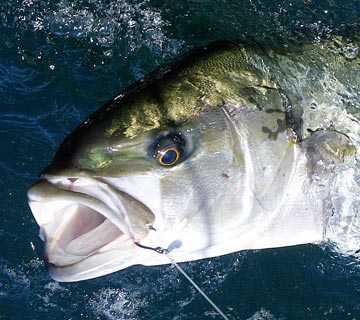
<point x="161" y="165"/>
<point x="157" y="188"/>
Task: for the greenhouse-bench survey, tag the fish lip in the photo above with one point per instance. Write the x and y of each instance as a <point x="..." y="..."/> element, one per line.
<point x="53" y="229"/>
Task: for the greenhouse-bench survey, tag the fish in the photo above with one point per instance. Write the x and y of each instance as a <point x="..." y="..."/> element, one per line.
<point x="206" y="156"/>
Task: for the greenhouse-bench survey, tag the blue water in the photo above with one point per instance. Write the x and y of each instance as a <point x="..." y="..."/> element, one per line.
<point x="59" y="61"/>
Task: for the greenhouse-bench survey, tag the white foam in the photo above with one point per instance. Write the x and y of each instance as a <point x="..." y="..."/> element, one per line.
<point x="103" y="24"/>
<point x="116" y="303"/>
<point x="343" y="202"/>
<point x="262" y="314"/>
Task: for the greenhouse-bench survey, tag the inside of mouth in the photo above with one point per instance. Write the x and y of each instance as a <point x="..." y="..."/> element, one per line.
<point x="87" y="231"/>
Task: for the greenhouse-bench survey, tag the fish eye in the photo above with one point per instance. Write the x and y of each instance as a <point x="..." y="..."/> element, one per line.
<point x="169" y="149"/>
<point x="168" y="156"/>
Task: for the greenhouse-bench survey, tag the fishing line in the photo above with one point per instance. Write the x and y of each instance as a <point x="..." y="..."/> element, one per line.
<point x="182" y="271"/>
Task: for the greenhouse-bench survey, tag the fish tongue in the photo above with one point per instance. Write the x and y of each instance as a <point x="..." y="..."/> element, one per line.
<point x="88" y="230"/>
<point x="91" y="241"/>
<point x="85" y="231"/>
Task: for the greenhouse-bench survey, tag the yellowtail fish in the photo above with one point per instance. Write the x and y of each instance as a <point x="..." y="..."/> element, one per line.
<point x="204" y="157"/>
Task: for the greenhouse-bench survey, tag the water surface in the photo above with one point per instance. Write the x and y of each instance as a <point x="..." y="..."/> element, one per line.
<point x="59" y="61"/>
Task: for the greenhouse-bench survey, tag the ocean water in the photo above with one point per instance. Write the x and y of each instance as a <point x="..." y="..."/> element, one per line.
<point x="59" y="61"/>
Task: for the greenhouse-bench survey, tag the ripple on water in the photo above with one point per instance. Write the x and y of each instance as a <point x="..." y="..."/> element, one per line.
<point x="21" y="134"/>
<point x="23" y="80"/>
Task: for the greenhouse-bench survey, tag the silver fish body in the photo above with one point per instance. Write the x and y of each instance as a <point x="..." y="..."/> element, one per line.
<point x="202" y="158"/>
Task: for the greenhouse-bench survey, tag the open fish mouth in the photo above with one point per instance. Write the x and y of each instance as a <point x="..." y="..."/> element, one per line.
<point x="81" y="217"/>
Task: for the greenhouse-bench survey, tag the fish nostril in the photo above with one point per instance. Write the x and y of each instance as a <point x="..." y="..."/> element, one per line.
<point x="72" y="180"/>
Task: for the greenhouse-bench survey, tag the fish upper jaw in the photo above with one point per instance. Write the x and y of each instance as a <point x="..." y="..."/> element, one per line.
<point x="83" y="218"/>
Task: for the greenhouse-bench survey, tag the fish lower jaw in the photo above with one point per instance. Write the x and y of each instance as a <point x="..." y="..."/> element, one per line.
<point x="59" y="257"/>
<point x="84" y="233"/>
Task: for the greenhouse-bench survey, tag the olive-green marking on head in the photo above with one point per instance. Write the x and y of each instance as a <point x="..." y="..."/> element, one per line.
<point x="139" y="114"/>
<point x="219" y="76"/>
<point x="281" y="127"/>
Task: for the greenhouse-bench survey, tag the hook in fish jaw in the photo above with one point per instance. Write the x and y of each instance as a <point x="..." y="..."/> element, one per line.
<point x="157" y="249"/>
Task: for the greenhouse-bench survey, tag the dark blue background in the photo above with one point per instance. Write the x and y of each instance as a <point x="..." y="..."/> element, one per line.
<point x="59" y="61"/>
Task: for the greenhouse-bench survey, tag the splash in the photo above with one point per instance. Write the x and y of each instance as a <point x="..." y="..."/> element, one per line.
<point x="342" y="203"/>
<point x="113" y="303"/>
<point x="100" y="33"/>
<point x="344" y="222"/>
<point x="263" y="314"/>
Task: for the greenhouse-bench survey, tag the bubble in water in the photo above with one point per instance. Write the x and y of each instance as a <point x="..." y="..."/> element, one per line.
<point x="350" y="51"/>
<point x="115" y="303"/>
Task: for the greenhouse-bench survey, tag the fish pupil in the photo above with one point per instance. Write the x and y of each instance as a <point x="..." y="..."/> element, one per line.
<point x="169" y="157"/>
<point x="168" y="149"/>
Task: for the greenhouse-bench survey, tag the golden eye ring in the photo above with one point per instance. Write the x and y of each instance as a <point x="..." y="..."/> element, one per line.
<point x="169" y="156"/>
